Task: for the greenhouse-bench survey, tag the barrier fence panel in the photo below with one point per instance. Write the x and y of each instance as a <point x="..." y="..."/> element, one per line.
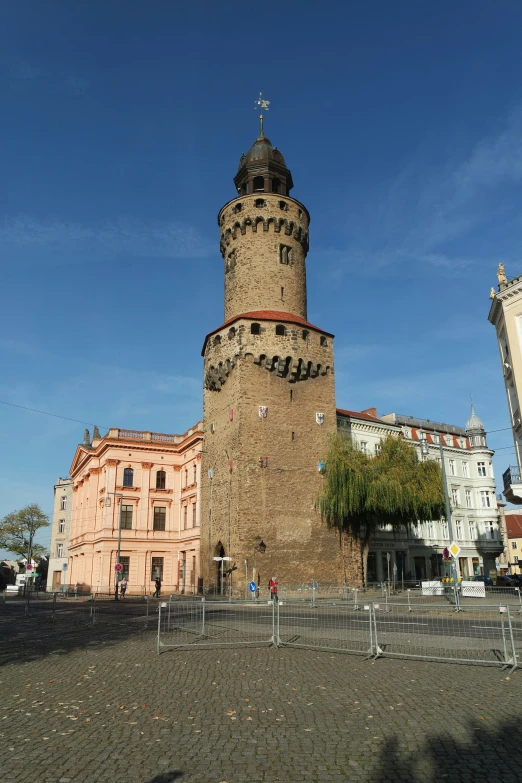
<point x="201" y="623"/>
<point x="326" y="626"/>
<point x="479" y="634"/>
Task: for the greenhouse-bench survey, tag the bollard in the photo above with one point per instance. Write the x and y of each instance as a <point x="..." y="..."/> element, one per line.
<point x="92" y="609"/>
<point x="54" y="606"/>
<point x="203" y="616"/>
<point x="409" y="604"/>
<point x="519" y="600"/>
<point x="355" y="604"/>
<point x="146" y="610"/>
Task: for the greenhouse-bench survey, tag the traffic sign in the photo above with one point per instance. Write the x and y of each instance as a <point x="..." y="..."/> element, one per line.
<point x="252" y="587"/>
<point x="65" y="566"/>
<point x="118" y="567"/>
<point x="454" y="549"/>
<point x="28" y="567"/>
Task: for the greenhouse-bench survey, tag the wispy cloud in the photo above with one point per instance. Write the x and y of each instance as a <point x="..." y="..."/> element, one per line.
<point x="426" y="212"/>
<point x="24" y="238"/>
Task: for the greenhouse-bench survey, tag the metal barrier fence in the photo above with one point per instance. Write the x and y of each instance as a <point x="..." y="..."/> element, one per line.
<point x="201" y="623"/>
<point x="485" y="634"/>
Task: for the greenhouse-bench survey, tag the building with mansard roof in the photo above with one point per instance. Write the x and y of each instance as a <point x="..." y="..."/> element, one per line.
<point x="417" y="553"/>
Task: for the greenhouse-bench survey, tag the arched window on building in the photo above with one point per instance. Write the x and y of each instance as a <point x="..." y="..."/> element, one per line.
<point x="195" y="474"/>
<point x="128" y="477"/>
<point x="160" y="479"/>
<point x="324" y="341"/>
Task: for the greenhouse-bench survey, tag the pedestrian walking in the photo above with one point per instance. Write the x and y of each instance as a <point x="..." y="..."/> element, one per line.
<point x="123" y="587"/>
<point x="272" y="586"/>
<point x="158" y="587"/>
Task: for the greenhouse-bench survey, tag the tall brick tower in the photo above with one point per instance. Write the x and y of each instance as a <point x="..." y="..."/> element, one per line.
<point x="269" y="398"/>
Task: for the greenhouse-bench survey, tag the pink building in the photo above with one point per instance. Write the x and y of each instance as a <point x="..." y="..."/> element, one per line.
<point x="156" y="479"/>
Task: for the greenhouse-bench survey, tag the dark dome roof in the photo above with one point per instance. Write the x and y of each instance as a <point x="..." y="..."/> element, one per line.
<point x="262" y="150"/>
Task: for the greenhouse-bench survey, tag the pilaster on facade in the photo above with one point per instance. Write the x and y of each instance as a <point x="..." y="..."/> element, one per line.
<point x="136" y="480"/>
<point x="506" y="316"/>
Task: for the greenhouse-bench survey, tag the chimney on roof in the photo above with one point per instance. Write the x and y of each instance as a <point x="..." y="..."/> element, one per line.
<point x="371" y="412"/>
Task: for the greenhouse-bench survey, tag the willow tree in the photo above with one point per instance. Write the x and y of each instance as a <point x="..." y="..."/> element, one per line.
<point x="362" y="494"/>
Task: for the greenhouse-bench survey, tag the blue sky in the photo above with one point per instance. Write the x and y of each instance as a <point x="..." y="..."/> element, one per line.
<point x="122" y="126"/>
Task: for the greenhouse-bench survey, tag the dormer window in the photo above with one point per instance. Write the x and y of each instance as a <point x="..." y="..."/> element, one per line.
<point x="260" y="203"/>
<point x="280" y="330"/>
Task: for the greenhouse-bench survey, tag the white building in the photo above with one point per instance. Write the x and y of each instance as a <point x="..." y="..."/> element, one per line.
<point x="417" y="554"/>
<point x="506" y="316"/>
<point x="57" y="577"/>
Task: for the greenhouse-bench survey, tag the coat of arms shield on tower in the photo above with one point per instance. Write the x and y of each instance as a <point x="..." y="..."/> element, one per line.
<point x="263" y="411"/>
<point x="319" y="418"/>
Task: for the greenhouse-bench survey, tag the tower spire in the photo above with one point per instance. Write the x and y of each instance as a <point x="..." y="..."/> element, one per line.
<point x="262" y="104"/>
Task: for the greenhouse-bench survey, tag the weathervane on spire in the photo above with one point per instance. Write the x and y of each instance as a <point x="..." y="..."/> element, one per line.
<point x="263" y="104"/>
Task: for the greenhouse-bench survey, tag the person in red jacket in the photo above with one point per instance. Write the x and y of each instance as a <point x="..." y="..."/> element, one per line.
<point x="272" y="586"/>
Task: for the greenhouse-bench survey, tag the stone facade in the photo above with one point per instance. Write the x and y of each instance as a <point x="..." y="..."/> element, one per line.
<point x="269" y="397"/>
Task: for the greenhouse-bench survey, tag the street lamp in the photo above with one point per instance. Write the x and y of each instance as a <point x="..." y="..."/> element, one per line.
<point x="222" y="560"/>
<point x="454" y="569"/>
<point x="118" y="573"/>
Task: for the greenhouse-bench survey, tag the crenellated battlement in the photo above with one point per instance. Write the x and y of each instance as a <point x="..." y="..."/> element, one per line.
<point x="279" y="225"/>
<point x="289" y="367"/>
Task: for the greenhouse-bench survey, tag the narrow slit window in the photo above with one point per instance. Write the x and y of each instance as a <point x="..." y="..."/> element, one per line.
<point x="285" y="254"/>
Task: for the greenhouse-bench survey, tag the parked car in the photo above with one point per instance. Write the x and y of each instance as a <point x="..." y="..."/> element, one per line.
<point x="505" y="581"/>
<point x="517" y="579"/>
<point x="488" y="581"/>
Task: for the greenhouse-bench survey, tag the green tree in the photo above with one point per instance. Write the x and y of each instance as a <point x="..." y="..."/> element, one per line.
<point x="18" y="529"/>
<point x="362" y="494"/>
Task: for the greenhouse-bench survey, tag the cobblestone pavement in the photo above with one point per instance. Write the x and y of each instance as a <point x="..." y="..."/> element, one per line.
<point x="98" y="704"/>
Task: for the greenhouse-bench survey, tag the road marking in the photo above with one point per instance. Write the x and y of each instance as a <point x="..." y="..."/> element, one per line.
<point x="487" y="627"/>
<point x="394" y="622"/>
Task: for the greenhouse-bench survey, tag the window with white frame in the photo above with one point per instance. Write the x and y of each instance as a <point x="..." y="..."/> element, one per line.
<point x="491" y="470"/>
<point x="458" y="528"/>
<point x="490" y="530"/>
<point x="481" y="468"/>
<point x="468" y="499"/>
<point x="61" y="526"/>
<point x="407" y="433"/>
<point x="515" y="559"/>
<point x="436" y="438"/>
<point x="472" y="530"/>
<point x="377" y="449"/>
<point x="364" y="446"/>
<point x="59" y="550"/>
<point x="485" y="500"/>
<point x="465" y="469"/>
<point x="451" y="464"/>
<point x="455" y="496"/>
<point x="449" y="440"/>
<point x="63" y="504"/>
<point x="431" y="530"/>
<point x="445" y="529"/>
<point x="514" y="545"/>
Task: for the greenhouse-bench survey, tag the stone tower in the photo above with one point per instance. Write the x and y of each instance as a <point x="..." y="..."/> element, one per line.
<point x="269" y="398"/>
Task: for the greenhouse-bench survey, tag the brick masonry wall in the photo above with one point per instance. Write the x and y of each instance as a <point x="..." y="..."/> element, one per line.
<point x="250" y="245"/>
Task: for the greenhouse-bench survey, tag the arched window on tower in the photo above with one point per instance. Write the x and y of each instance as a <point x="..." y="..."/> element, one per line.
<point x="276" y="185"/>
<point x="255" y="329"/>
<point x="260" y="203"/>
<point x="280" y="330"/>
<point x="259" y="184"/>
